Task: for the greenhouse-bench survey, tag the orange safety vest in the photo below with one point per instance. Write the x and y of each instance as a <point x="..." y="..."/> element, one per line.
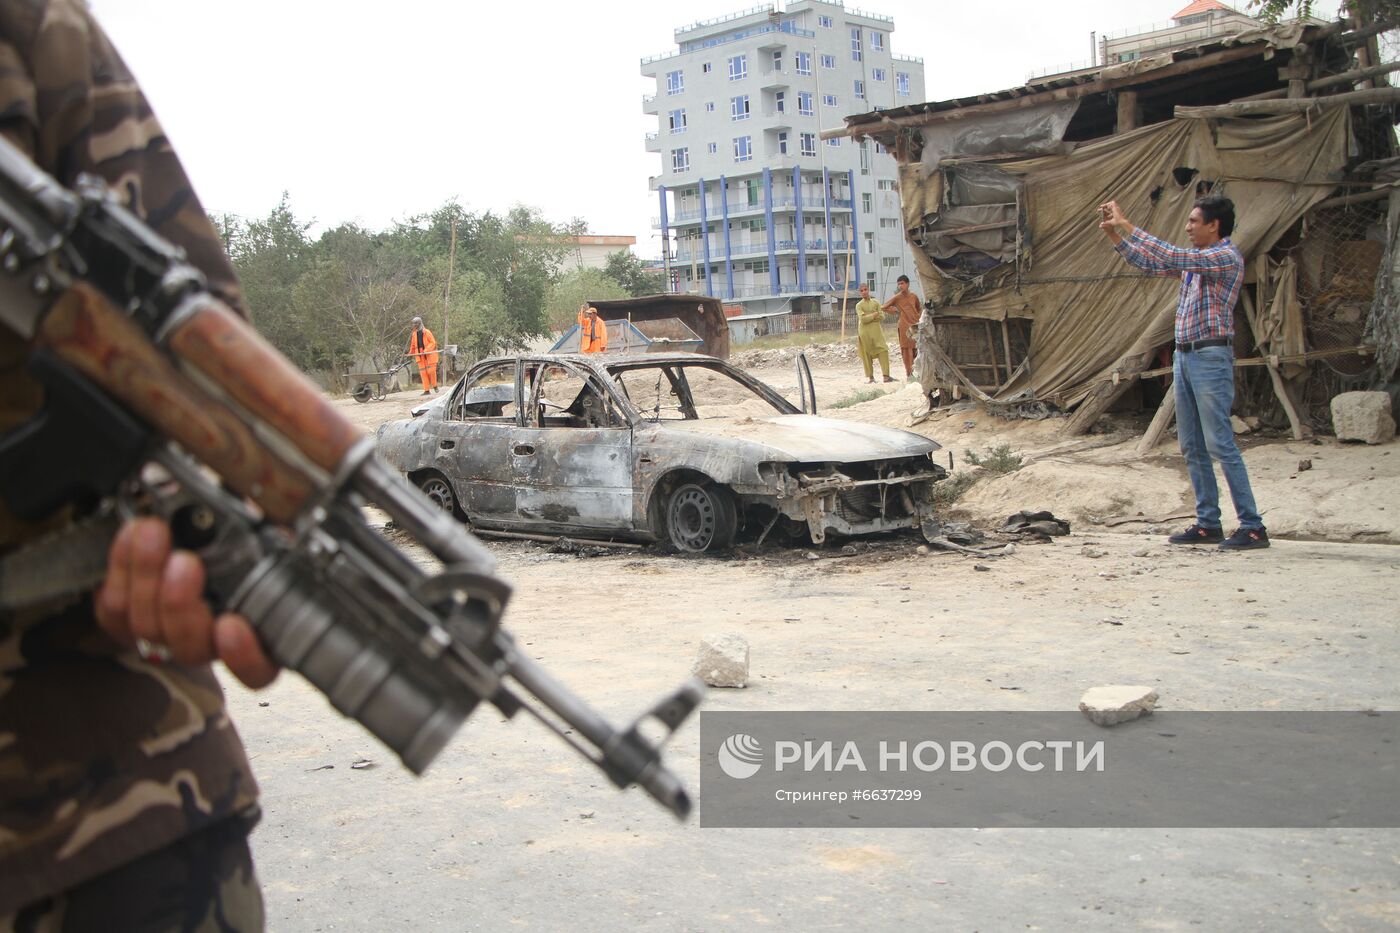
<point x="592" y="334"/>
<point x="425" y="356"/>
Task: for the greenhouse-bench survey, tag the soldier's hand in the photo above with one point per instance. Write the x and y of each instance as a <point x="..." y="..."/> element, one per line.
<point x="155" y="593"/>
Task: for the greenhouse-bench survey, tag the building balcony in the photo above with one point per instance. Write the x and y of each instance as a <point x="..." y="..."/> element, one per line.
<point x="649" y="104"/>
<point x="775" y="79"/>
<point x="653" y="142"/>
<point x="781" y="204"/>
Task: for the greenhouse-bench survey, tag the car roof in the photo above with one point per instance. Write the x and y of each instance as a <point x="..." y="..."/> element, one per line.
<point x="603" y="361"/>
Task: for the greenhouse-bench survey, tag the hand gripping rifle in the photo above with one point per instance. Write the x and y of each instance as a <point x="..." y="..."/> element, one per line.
<point x="266" y="482"/>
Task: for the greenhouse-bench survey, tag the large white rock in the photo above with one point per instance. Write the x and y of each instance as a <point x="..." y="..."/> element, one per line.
<point x="1115" y="703"/>
<point x="723" y="660"/>
<point x="1363" y="416"/>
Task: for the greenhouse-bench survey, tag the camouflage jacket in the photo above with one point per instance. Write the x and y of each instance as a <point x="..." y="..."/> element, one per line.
<point x="103" y="756"/>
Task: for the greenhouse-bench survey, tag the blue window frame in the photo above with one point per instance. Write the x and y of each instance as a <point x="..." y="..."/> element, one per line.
<point x="809" y="144"/>
<point x="860" y="89"/>
<point x="675" y="82"/>
<point x="877" y="73"/>
<point x="804" y="103"/>
<point x="743" y="148"/>
<point x="676" y="121"/>
<point x="901" y="83"/>
<point x="738" y="67"/>
<point x="855" y="45"/>
<point x="828" y="100"/>
<point x="739" y="107"/>
<point x="680" y="160"/>
<point x="828" y="61"/>
<point x="824" y="22"/>
<point x="877" y="41"/>
<point x="804" y="63"/>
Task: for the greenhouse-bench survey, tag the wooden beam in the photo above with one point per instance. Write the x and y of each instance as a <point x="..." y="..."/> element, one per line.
<point x="1073" y="92"/>
<point x="1351" y="77"/>
<point x="1349" y="199"/>
<point x="1162" y="420"/>
<point x="1381" y="95"/>
<point x="1127" y="111"/>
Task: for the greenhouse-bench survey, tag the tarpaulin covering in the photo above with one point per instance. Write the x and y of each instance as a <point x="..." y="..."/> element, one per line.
<point x="1088" y="305"/>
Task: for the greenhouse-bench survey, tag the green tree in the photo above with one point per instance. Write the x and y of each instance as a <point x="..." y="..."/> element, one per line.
<point x="576" y="287"/>
<point x="270" y="255"/>
<point x="627" y="270"/>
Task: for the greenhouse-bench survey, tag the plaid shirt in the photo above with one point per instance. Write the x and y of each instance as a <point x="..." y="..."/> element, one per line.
<point x="1211" y="279"/>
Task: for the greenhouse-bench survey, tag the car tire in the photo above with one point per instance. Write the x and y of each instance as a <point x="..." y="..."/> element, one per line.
<point x="436" y="487"/>
<point x="700" y="518"/>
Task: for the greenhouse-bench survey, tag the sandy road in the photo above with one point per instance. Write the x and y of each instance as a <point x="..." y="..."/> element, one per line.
<point x="511" y="830"/>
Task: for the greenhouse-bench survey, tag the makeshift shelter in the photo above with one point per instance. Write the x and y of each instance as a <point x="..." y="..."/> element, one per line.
<point x="746" y="328"/>
<point x="1028" y="303"/>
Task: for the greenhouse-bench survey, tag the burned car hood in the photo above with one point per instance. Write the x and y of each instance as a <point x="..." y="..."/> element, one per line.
<point x="809" y="438"/>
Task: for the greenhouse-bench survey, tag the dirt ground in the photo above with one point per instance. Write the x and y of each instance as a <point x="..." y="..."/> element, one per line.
<point x="510" y="829"/>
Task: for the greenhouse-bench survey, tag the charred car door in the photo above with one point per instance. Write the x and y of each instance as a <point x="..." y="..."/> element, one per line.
<point x="572" y="457"/>
<point x="474" y="438"/>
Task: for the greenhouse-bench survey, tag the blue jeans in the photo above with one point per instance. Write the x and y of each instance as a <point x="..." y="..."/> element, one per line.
<point x="1204" y="380"/>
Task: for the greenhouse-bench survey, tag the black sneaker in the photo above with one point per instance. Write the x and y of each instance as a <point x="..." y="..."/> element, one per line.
<point x="1198" y="534"/>
<point x="1245" y="539"/>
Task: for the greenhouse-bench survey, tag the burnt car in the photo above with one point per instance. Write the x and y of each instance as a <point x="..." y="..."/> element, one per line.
<point x="678" y="448"/>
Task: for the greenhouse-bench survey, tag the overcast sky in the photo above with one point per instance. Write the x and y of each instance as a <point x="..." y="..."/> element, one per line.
<point x="372" y="112"/>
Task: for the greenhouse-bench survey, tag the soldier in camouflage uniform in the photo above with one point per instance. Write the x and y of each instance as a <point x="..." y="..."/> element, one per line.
<point x="125" y="794"/>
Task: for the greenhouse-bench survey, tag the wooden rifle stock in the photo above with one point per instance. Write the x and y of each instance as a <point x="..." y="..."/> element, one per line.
<point x="90" y="334"/>
<point x="225" y="348"/>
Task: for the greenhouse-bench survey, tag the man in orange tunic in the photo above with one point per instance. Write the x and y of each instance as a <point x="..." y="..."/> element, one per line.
<point x="422" y="346"/>
<point x="906" y="304"/>
<point x="593" y="331"/>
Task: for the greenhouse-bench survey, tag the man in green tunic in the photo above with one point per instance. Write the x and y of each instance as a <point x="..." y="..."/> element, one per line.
<point x="870" y="342"/>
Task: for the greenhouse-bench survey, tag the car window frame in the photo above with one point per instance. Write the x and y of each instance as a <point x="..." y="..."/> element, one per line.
<point x="590" y="378"/>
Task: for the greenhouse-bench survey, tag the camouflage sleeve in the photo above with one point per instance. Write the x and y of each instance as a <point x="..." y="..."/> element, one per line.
<point x="104" y="757"/>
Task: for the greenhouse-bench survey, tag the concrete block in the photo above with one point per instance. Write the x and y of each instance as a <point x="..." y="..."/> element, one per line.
<point x="723" y="660"/>
<point x="1115" y="703"/>
<point x="1363" y="416"/>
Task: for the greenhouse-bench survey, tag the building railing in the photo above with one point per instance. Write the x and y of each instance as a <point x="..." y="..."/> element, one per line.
<point x="728" y="17"/>
<point x="648" y="101"/>
<point x="875" y="16"/>
<point x="715" y="212"/>
<point x="912" y="59"/>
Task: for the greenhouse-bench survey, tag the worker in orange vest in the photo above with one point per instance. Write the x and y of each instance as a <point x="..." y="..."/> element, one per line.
<point x="592" y="331"/>
<point x="423" y="348"/>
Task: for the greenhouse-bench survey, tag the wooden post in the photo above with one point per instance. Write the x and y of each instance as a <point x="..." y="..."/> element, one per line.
<point x="1129" y="366"/>
<point x="1285" y="397"/>
<point x="992" y="351"/>
<point x="1166" y="412"/>
<point x="1006" y="345"/>
<point x="1127" y="111"/>
<point x="447" y="298"/>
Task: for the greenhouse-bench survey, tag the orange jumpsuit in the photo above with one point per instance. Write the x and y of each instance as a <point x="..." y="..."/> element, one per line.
<point x="592" y="334"/>
<point x="423" y="348"/>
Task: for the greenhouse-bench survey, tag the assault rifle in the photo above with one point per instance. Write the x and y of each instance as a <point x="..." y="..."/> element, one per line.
<point x="266" y="481"/>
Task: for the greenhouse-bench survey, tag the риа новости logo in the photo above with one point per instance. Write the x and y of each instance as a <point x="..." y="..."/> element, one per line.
<point x="740" y="756"/>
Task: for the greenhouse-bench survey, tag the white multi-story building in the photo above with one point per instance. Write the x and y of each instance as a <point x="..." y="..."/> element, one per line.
<point x="754" y="206"/>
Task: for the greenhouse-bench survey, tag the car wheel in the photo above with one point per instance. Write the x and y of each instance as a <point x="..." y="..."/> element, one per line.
<point x="437" y="488"/>
<point x="700" y="518"/>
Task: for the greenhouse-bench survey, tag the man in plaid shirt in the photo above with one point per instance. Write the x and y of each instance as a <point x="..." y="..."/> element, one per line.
<point x="1203" y="370"/>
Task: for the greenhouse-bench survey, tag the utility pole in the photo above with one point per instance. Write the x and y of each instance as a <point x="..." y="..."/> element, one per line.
<point x="447" y="293"/>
